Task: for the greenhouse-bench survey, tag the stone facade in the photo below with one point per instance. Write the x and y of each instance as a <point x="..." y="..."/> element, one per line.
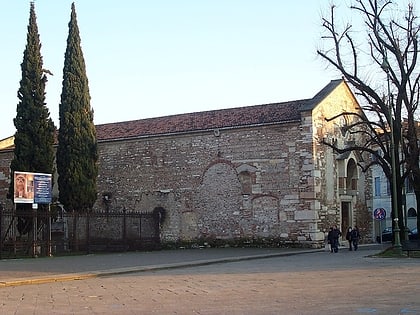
<point x="240" y="174"/>
<point x="6" y="155"/>
<point x="342" y="189"/>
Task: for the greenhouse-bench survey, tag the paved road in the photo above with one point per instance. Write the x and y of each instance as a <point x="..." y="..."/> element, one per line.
<point x="46" y="269"/>
<point x="314" y="282"/>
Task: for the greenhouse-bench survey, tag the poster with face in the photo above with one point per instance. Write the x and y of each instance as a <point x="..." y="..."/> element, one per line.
<point x="24" y="187"/>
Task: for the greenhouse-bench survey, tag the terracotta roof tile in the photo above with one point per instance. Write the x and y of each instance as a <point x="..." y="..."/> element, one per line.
<point x="208" y="120"/>
<point x="214" y="119"/>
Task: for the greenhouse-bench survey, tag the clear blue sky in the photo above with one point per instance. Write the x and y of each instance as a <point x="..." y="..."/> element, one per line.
<point x="156" y="58"/>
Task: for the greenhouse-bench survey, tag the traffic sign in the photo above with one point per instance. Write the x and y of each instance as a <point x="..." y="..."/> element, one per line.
<point x="379" y="213"/>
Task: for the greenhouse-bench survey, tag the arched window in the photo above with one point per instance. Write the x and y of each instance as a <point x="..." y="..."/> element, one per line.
<point x="246" y="182"/>
<point x="411" y="212"/>
<point x="351" y="181"/>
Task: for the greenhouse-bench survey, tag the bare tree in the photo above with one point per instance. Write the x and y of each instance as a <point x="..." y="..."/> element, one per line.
<point x="382" y="69"/>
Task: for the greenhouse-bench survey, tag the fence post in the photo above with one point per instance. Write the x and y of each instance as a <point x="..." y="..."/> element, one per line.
<point x="49" y="245"/>
<point x="157" y="219"/>
<point x="14" y="230"/>
<point x="88" y="232"/>
<point x="124" y="226"/>
<point x="35" y="231"/>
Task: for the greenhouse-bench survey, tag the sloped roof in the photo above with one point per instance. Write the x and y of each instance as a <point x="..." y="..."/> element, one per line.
<point x="208" y="120"/>
<point x="215" y="119"/>
<point x="7" y="143"/>
<point x="323" y="94"/>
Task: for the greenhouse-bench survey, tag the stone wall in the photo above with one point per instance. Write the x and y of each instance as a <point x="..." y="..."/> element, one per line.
<point x="5" y="158"/>
<point x="271" y="181"/>
<point x="240" y="183"/>
<point x="330" y="167"/>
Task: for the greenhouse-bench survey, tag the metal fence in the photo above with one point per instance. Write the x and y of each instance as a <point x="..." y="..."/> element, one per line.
<point x="41" y="233"/>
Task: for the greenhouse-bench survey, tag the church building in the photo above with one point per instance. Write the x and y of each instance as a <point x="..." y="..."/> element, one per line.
<point x="250" y="173"/>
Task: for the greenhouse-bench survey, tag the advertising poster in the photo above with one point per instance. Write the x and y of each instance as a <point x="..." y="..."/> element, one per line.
<point x="32" y="187"/>
<point x="42" y="188"/>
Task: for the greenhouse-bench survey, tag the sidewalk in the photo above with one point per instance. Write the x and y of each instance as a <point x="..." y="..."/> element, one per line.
<point x="15" y="272"/>
<point x="64" y="268"/>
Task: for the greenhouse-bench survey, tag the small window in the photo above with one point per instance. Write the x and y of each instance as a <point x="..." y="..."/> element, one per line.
<point x="246" y="181"/>
<point x="377" y="186"/>
<point x="411" y="213"/>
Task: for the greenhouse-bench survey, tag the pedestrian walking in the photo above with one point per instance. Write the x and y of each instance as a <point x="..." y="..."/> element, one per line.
<point x="355" y="236"/>
<point x="336" y="235"/>
<point x="330" y="239"/>
<point x="348" y="237"/>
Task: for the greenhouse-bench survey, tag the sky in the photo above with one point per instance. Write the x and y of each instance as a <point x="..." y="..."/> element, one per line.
<point x="163" y="57"/>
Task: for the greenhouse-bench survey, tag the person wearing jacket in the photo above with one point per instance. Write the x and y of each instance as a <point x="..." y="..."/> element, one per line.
<point x="355" y="236"/>
<point x="348" y="237"/>
<point x="330" y="239"/>
<point x="336" y="233"/>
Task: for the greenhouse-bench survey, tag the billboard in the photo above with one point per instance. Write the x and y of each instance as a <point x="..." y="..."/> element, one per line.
<point x="32" y="187"/>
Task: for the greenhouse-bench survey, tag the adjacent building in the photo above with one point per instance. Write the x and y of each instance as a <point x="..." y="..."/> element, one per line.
<point x="381" y="199"/>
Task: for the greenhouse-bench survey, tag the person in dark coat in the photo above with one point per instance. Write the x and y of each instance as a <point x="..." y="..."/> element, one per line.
<point x="348" y="237"/>
<point x="355" y="236"/>
<point x="336" y="233"/>
<point x="330" y="239"/>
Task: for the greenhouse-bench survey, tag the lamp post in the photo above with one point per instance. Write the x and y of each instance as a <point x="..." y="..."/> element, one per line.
<point x="397" y="242"/>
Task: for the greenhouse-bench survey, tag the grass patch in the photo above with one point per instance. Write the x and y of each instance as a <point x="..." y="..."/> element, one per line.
<point x="392" y="252"/>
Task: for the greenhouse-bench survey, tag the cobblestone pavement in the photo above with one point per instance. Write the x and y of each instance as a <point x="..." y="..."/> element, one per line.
<point x="308" y="283"/>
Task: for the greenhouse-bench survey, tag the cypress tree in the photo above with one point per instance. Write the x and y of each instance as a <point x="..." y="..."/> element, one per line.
<point x="77" y="154"/>
<point x="34" y="137"/>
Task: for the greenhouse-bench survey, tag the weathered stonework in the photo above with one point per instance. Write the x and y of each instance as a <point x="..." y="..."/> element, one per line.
<point x="211" y="187"/>
<point x="247" y="181"/>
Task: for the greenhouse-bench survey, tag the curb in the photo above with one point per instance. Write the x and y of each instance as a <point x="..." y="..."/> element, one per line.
<point x="120" y="271"/>
<point x="46" y="279"/>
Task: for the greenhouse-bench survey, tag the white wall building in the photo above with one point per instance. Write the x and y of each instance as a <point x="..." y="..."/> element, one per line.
<point x="381" y="195"/>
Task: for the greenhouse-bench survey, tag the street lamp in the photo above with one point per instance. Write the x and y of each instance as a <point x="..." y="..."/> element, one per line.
<point x="397" y="243"/>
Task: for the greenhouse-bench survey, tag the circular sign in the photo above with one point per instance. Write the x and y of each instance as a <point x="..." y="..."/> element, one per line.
<point x="379" y="213"/>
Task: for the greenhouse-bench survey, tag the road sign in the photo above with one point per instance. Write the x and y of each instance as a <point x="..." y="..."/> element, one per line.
<point x="379" y="213"/>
